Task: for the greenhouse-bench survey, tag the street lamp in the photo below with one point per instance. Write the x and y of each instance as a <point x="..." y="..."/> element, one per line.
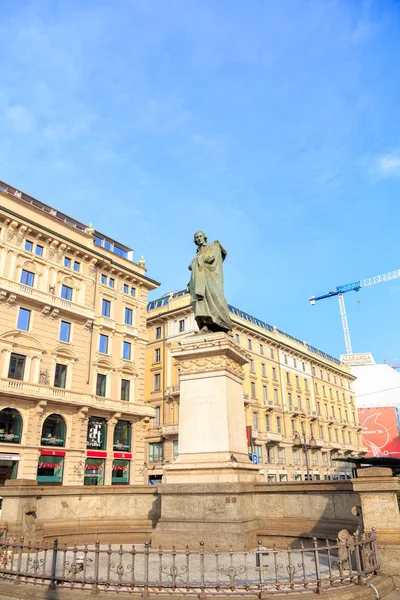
<point x="300" y="442"/>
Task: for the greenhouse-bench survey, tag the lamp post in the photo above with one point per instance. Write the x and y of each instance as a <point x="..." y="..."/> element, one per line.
<point x="301" y="442"/>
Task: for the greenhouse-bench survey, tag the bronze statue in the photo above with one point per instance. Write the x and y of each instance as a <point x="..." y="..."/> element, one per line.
<point x="206" y="286"/>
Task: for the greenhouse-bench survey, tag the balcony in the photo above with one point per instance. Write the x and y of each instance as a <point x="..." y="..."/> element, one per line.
<point x="335" y="445"/>
<point x="46" y="299"/>
<point x="130" y="330"/>
<point x="270" y="436"/>
<point x="172" y="390"/>
<point x="106" y="322"/>
<point x="254" y="434"/>
<point x="168" y="430"/>
<point x="29" y="391"/>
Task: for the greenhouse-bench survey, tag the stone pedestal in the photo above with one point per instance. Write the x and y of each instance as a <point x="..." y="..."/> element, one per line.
<point x="212" y="424"/>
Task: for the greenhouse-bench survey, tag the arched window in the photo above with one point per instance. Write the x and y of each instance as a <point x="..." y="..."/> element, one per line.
<point x="53" y="432"/>
<point x="10" y="426"/>
<point x="122" y="436"/>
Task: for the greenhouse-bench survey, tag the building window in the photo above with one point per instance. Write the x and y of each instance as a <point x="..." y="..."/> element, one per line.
<point x="251" y="365"/>
<point x="67" y="262"/>
<point x="17" y="366"/>
<point x="77" y="266"/>
<point x="273" y="372"/>
<point x="328" y="377"/>
<point x="296" y="457"/>
<point x="267" y="423"/>
<point x="65" y="331"/>
<point x="281" y="456"/>
<point x="261" y="349"/>
<point x="313" y="371"/>
<point x="181" y="325"/>
<point x="271" y="478"/>
<point x="321" y="432"/>
<point x="126" y="288"/>
<point x="120" y="472"/>
<point x="290" y="402"/>
<point x="272" y="353"/>
<point x="94" y="471"/>
<point x="324" y="459"/>
<point x="39" y="250"/>
<point x="265" y="393"/>
<point x="133" y="291"/>
<point x="237" y="338"/>
<point x="316" y="387"/>
<point x="105" y="308"/>
<point x="24" y="317"/>
<point x="293" y="424"/>
<point x="321" y="374"/>
<point x="158" y="333"/>
<point x="111" y="282"/>
<point x="249" y="344"/>
<point x="10" y="426"/>
<point x="255" y="420"/>
<point x="278" y="425"/>
<point x="270" y="454"/>
<point x="126" y="351"/>
<point x="318" y="408"/>
<point x="103" y="279"/>
<point x="155" y="452"/>
<point x="303" y="364"/>
<point x="176" y="449"/>
<point x="122" y="436"/>
<point x="263" y="370"/>
<point x="28" y="245"/>
<point x="157" y="418"/>
<point x="306" y="384"/>
<point x="60" y="376"/>
<point x="53" y="431"/>
<point x="295" y="363"/>
<point x="323" y="390"/>
<point x="125" y="389"/>
<point x="285" y="358"/>
<point x="103" y="343"/>
<point x="157" y="355"/>
<point x="288" y="377"/>
<point x="66" y="292"/>
<point x="299" y="405"/>
<point x="308" y="405"/>
<point x="27" y="278"/>
<point x="101" y="385"/>
<point x="297" y="381"/>
<point x="258" y="452"/>
<point x="276" y="397"/>
<point x="156" y="386"/>
<point x="50" y="469"/>
<point x="128" y="316"/>
<point x="253" y="389"/>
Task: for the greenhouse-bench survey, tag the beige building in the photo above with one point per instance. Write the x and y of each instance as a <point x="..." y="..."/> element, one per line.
<point x="299" y="403"/>
<point x="72" y="349"/>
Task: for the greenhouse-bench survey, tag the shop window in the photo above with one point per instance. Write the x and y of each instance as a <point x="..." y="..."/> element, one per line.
<point x="10" y="426"/>
<point x="155" y="452"/>
<point x="24" y="317"/>
<point x="27" y="278"/>
<point x="66" y="292"/>
<point x="17" y="366"/>
<point x="101" y="384"/>
<point x="53" y="431"/>
<point x="96" y="433"/>
<point x="60" y="376"/>
<point x="50" y="469"/>
<point x="125" y="389"/>
<point x="122" y="436"/>
<point x="120" y="472"/>
<point x="94" y="471"/>
<point x="8" y="468"/>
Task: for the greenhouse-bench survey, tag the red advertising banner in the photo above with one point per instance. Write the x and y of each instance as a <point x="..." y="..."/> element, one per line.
<point x="248" y="436"/>
<point x="381" y="430"/>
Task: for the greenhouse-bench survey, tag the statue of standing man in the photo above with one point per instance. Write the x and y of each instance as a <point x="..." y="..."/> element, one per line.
<point x="206" y="286"/>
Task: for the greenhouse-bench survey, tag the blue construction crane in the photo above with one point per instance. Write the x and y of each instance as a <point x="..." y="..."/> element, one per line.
<point x="352" y="287"/>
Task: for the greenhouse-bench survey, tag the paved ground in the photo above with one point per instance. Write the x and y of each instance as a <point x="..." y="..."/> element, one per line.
<point x="393" y="596"/>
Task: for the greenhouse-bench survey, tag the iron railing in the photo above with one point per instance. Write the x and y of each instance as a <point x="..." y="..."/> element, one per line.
<point x="148" y="570"/>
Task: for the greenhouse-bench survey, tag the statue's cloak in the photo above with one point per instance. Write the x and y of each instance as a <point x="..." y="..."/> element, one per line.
<point x="206" y="286"/>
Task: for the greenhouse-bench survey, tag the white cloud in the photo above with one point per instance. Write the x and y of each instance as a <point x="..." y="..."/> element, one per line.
<point x="389" y="165"/>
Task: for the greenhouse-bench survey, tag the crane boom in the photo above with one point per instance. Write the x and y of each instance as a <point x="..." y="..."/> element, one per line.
<point x="353" y="287"/>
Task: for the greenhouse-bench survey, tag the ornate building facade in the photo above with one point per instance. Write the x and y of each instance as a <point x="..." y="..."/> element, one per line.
<point x="299" y="403"/>
<point x="72" y="349"/>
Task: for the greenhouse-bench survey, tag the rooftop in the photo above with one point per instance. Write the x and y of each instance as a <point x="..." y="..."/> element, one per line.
<point x="99" y="238"/>
<point x="164" y="300"/>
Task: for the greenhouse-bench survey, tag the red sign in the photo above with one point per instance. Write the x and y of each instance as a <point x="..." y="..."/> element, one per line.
<point x="122" y="455"/>
<point x="96" y="453"/>
<point x="52" y="452"/>
<point x="94" y="467"/>
<point x="44" y="465"/>
<point x="248" y="436"/>
<point x="119" y="468"/>
<point x="381" y="430"/>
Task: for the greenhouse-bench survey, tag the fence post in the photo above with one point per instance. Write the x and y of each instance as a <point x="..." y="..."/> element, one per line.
<point x="53" y="581"/>
<point x="96" y="567"/>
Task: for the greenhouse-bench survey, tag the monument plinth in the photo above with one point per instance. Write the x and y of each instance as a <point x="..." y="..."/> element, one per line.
<point x="212" y="425"/>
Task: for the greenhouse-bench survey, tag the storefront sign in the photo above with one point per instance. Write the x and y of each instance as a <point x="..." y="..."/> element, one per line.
<point x="52" y="441"/>
<point x="122" y="455"/>
<point x="9" y="437"/>
<point x="9" y="456"/>
<point x="97" y="454"/>
<point x="96" y="435"/>
<point x="52" y="452"/>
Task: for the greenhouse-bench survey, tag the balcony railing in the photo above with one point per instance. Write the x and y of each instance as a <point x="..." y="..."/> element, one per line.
<point x="46" y="298"/>
<point x="51" y="394"/>
<point x="271" y="436"/>
<point x="168" y="430"/>
<point x="172" y="390"/>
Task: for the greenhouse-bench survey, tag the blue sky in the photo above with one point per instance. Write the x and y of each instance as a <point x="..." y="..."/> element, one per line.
<point x="274" y="126"/>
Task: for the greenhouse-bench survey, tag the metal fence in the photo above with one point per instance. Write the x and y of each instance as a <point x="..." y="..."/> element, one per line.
<point x="148" y="570"/>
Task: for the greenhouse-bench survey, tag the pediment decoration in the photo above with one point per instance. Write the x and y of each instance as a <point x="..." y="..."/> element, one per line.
<point x="61" y="351"/>
<point x="21" y="339"/>
<point x="103" y="362"/>
<point x="127" y="368"/>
